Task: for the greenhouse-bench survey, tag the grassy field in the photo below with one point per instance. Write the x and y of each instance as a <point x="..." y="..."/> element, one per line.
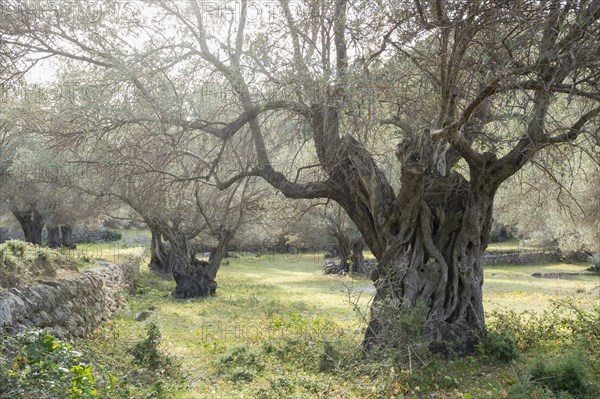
<point x="510" y="245"/>
<point x="514" y="287"/>
<point x="278" y="328"/>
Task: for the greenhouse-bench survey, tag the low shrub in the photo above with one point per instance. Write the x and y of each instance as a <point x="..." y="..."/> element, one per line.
<point x="526" y="389"/>
<point x="498" y="347"/>
<point x="330" y="357"/>
<point x="7" y="259"/>
<point x="568" y="372"/>
<point x="146" y="352"/>
<point x="403" y="335"/>
<point x="564" y="323"/>
<point x="239" y="356"/>
<point x="34" y="364"/>
<point x="111" y="235"/>
<point x="18" y="248"/>
<point x="240" y="364"/>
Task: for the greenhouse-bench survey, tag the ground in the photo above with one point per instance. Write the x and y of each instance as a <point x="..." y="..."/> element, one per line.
<point x="279" y="328"/>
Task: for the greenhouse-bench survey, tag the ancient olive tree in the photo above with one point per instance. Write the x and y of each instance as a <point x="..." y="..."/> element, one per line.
<point x="464" y="93"/>
<point x="39" y="184"/>
<point x="23" y="192"/>
<point x="183" y="212"/>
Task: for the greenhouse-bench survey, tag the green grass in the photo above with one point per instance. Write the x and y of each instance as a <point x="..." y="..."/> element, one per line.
<point x="510" y="286"/>
<point x="23" y="263"/>
<point x="274" y="319"/>
<point x="279" y="328"/>
<point x="113" y="252"/>
<point x="512" y="245"/>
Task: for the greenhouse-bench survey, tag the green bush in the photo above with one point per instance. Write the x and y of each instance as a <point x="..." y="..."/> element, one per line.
<point x="239" y="356"/>
<point x="402" y="333"/>
<point x="501" y="348"/>
<point x="567" y="372"/>
<point x="564" y="323"/>
<point x="240" y="364"/>
<point x="330" y="357"/>
<point x="34" y="364"/>
<point x="111" y="235"/>
<point x="146" y="352"/>
<point x="7" y="259"/>
<point x="527" y="390"/>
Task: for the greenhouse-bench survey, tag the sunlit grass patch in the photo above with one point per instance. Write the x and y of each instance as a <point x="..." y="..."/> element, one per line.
<point x="279" y="328"/>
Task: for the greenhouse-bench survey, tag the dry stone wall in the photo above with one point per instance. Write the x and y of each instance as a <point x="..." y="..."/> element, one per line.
<point x="71" y="306"/>
<point x="523" y="257"/>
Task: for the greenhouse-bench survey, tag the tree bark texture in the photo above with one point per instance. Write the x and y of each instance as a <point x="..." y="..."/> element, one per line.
<point x="158" y="253"/>
<point x="429" y="237"/>
<point x="194" y="278"/>
<point x="53" y="239"/>
<point x="66" y="232"/>
<point x="217" y="254"/>
<point x="60" y="236"/>
<point x="32" y="223"/>
<point x="357" y="258"/>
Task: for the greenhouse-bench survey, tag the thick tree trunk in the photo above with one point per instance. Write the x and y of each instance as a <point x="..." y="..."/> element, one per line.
<point x="66" y="232"/>
<point x="338" y="231"/>
<point x="344" y="251"/>
<point x="32" y="223"/>
<point x="53" y="233"/>
<point x="437" y="261"/>
<point x="357" y="258"/>
<point x="429" y="236"/>
<point x="158" y="253"/>
<point x="595" y="260"/>
<point x="193" y="277"/>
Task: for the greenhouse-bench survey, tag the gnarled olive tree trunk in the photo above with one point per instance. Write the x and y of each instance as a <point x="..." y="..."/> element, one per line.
<point x="158" y="253"/>
<point x="343" y="246"/>
<point x="357" y="259"/>
<point x="53" y="239"/>
<point x="60" y="236"/>
<point x="217" y="253"/>
<point x="193" y="277"/>
<point x="32" y="222"/>
<point x="437" y="260"/>
<point x="66" y="232"/>
<point x="428" y="237"/>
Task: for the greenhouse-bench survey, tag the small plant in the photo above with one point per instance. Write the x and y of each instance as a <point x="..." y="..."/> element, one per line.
<point x="7" y="259"/>
<point x="498" y="347"/>
<point x="562" y="324"/>
<point x="147" y="352"/>
<point x="239" y="356"/>
<point x="329" y="357"/>
<point x="18" y="248"/>
<point x="403" y="334"/>
<point x="525" y="389"/>
<point x="38" y="365"/>
<point x="562" y="373"/>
